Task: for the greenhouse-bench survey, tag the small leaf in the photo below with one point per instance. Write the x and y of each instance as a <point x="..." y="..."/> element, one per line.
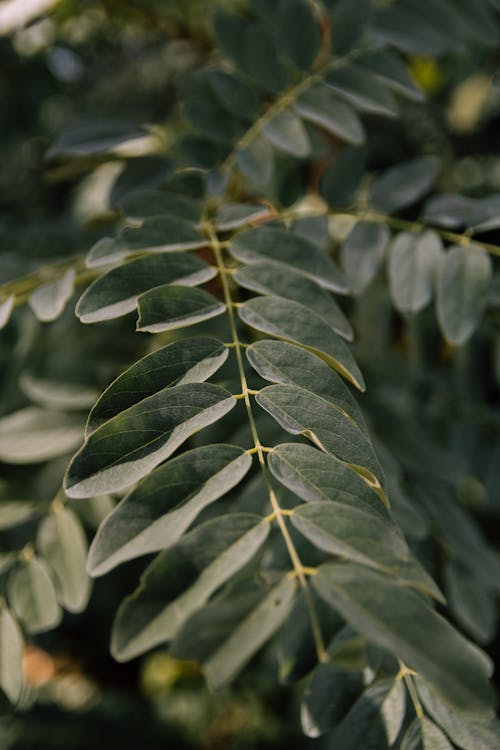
<point x="32" y="596"/>
<point x="190" y="360"/>
<point x="433" y="737"/>
<point x="166" y="308"/>
<point x="364" y="725"/>
<point x="281" y="362"/>
<point x="107" y="250"/>
<point x="11" y="651"/>
<point x="57" y="395"/>
<point x="292" y="321"/>
<point x="277" y="245"/>
<point x="413" y="262"/>
<point x="49" y="300"/>
<point x="61" y="540"/>
<point x="256" y="161"/>
<point x="328" y="697"/>
<point x="130" y="445"/>
<point x="233" y="631"/>
<point x="388" y="67"/>
<point x="6" y="308"/>
<point x="261" y="60"/>
<point x="316" y="476"/>
<point x="236" y="215"/>
<point x="467" y="730"/>
<point x="363" y="253"/>
<point x="161" y="234"/>
<point x="157" y="512"/>
<point x="15" y="512"/>
<point x="116" y="292"/>
<point x="361" y="535"/>
<point x="301" y="412"/>
<point x="396" y="618"/>
<point x="464" y="276"/>
<point x="471" y="601"/>
<point x="300" y="32"/>
<point x="349" y="23"/>
<point x="266" y="278"/>
<point x="322" y="107"/>
<point x="287" y="133"/>
<point x="93" y="139"/>
<point x="393" y="710"/>
<point x="141" y="204"/>
<point x="405" y="184"/>
<point x="363" y="90"/>
<point x="32" y="435"/>
<point x="182" y="579"/>
<point x="234" y="94"/>
<point x="340" y="181"/>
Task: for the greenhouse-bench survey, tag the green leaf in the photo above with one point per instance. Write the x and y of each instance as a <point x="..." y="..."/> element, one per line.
<point x="294" y="322"/>
<point x="161" y="234"/>
<point x="364" y="725"/>
<point x="6" y="308"/>
<point x="349" y="22"/>
<point x="95" y="139"/>
<point x="287" y="133"/>
<point x="388" y="67"/>
<point x="266" y="278"/>
<point x="433" y="737"/>
<point x="57" y="395"/>
<point x="256" y="161"/>
<point x="471" y="601"/>
<point x="413" y="262"/>
<point x="363" y="536"/>
<point x="182" y="579"/>
<point x="316" y="476"/>
<point x="411" y="739"/>
<point x="405" y="184"/>
<point x="49" y="300"/>
<point x="189" y="360"/>
<point x="230" y="631"/>
<point x="363" y="253"/>
<point x="106" y="251"/>
<point x="15" y="512"/>
<point x="62" y="542"/>
<point x="130" y="445"/>
<point x="467" y="730"/>
<point x="329" y="695"/>
<point x="157" y="512"/>
<point x="167" y="307"/>
<point x="301" y="412"/>
<point x="32" y="435"/>
<point x="463" y="281"/>
<point x="11" y="652"/>
<point x="32" y="596"/>
<point x="141" y="204"/>
<point x="340" y="181"/>
<point x="261" y="60"/>
<point x="363" y="90"/>
<point x="393" y="710"/>
<point x="300" y="32"/>
<point x="322" y="107"/>
<point x="236" y="215"/>
<point x="281" y="362"/>
<point x="277" y="245"/>
<point x="116" y="292"/>
<point x="399" y="620"/>
<point x="234" y="94"/>
<point x="229" y="31"/>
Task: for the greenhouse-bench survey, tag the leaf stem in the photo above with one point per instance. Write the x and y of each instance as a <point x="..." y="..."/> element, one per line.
<point x="278" y="512"/>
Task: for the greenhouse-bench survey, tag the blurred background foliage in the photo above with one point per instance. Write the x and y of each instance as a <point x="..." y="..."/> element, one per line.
<point x="109" y="70"/>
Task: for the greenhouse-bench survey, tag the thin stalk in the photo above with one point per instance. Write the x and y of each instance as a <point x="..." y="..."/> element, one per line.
<point x="299" y="571"/>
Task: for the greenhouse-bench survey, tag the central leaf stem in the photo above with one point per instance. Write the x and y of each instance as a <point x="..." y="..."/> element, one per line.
<point x="299" y="571"/>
